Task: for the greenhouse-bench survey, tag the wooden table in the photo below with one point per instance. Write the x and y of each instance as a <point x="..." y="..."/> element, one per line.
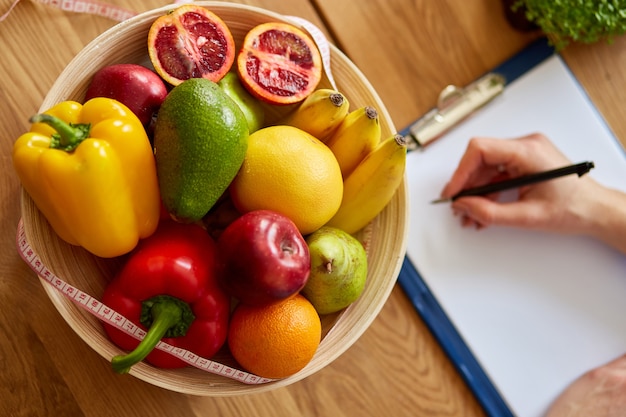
<point x="409" y="50"/>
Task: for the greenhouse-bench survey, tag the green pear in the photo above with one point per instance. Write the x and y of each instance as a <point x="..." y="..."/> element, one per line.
<point x="250" y="106"/>
<point x="338" y="270"/>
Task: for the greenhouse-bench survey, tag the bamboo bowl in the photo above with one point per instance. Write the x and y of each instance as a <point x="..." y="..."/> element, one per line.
<point x="384" y="238"/>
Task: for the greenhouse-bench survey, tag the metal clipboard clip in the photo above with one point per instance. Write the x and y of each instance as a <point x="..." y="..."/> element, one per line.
<point x="453" y="106"/>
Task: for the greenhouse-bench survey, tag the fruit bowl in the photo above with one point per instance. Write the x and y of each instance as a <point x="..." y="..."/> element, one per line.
<point x="384" y="238"/>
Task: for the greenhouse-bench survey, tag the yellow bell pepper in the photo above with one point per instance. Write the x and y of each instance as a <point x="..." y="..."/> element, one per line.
<point x="91" y="171"/>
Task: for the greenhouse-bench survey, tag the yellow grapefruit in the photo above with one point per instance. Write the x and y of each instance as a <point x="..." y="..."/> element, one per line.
<point x="289" y="171"/>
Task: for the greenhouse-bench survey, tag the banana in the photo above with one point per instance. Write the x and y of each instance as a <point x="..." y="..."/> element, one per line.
<point x="357" y="135"/>
<point x="372" y="185"/>
<point x="320" y="113"/>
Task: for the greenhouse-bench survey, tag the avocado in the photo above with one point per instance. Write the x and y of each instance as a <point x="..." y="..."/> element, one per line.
<point x="200" y="141"/>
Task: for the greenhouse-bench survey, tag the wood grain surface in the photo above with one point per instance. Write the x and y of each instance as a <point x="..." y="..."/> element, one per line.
<point x="409" y="50"/>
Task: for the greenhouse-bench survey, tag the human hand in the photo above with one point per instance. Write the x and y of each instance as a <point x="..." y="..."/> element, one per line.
<point x="600" y="392"/>
<point x="556" y="205"/>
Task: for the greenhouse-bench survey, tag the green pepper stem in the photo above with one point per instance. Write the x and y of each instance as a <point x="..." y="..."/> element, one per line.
<point x="68" y="136"/>
<point x="167" y="313"/>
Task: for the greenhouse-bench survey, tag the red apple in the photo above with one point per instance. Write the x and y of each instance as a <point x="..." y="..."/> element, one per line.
<point x="136" y="86"/>
<point x="264" y="258"/>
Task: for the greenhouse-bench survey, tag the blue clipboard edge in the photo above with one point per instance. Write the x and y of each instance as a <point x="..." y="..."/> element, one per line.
<point x="513" y="68"/>
<point x="423" y="299"/>
<point x="452" y="342"/>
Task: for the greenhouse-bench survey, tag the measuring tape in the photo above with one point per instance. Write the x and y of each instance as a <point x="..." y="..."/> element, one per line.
<point x="110" y="316"/>
<point x="321" y="42"/>
<point x="81" y="6"/>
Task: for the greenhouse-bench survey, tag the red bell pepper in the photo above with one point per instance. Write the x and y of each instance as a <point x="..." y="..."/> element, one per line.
<point x="169" y="286"/>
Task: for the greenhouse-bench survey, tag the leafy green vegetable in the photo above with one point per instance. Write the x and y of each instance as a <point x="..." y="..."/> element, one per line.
<point x="585" y="21"/>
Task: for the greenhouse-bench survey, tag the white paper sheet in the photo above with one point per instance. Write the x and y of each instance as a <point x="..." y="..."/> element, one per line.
<point x="537" y="309"/>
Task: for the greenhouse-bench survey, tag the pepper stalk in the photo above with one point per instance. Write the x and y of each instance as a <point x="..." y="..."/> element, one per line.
<point x="68" y="135"/>
<point x="165" y="316"/>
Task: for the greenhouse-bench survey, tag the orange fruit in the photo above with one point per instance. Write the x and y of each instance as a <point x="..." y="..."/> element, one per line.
<point x="278" y="63"/>
<point x="190" y="42"/>
<point x="277" y="340"/>
<point x="291" y="172"/>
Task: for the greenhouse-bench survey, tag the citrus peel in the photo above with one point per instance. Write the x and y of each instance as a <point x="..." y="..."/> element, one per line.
<point x="190" y="42"/>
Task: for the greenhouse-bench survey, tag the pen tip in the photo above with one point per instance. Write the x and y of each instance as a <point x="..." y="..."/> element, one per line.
<point x="441" y="200"/>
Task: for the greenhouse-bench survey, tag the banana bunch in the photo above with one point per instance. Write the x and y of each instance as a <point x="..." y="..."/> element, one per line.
<point x="371" y="185"/>
<point x="357" y="136"/>
<point x="320" y="113"/>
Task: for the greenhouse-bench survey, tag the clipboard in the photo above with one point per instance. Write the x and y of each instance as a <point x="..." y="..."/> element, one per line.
<point x="456" y="104"/>
<point x="465" y="341"/>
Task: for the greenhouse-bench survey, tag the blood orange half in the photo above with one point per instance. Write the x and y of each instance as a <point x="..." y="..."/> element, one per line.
<point x="278" y="63"/>
<point x="190" y="42"/>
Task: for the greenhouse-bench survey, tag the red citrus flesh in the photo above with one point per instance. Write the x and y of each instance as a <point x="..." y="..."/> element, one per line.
<point x="190" y="42"/>
<point x="279" y="64"/>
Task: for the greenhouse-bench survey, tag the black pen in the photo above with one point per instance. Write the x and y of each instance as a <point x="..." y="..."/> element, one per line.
<point x="579" y="169"/>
